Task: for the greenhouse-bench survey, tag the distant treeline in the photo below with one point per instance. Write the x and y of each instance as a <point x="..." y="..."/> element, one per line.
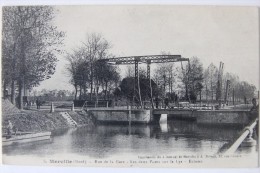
<point x="93" y="79"/>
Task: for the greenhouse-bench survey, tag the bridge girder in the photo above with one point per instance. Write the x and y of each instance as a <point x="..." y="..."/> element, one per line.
<point x="144" y="59"/>
<point x="148" y="59"/>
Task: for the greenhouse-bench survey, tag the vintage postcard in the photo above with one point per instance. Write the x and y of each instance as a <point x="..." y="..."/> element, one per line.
<point x="130" y="86"/>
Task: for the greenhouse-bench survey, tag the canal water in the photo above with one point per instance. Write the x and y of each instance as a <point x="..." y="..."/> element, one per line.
<point x="104" y="141"/>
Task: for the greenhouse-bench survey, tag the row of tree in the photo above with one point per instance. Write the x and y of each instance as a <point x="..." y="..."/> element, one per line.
<point x="192" y="82"/>
<point x="238" y="90"/>
<point x="52" y="95"/>
<point x="30" y="45"/>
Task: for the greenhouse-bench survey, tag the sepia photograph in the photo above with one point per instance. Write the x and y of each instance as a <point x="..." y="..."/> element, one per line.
<point x="130" y="86"/>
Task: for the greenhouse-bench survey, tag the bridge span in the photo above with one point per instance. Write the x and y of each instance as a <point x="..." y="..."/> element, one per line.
<point x="146" y="116"/>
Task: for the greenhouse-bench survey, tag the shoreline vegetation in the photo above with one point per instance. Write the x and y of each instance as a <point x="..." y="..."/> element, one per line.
<point x="39" y="120"/>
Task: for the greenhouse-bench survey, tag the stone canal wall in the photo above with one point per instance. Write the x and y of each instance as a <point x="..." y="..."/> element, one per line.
<point x="183" y="114"/>
<point x="121" y="116"/>
<point x="241" y="117"/>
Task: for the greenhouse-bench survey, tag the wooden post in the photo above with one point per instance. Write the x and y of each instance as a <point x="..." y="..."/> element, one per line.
<point x="233" y="96"/>
<point x="129" y="119"/>
<point x="52" y="108"/>
<point x="72" y="107"/>
<point x="200" y="98"/>
<point x="129" y="116"/>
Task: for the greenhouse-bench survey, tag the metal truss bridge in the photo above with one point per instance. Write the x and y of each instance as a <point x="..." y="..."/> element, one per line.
<point x="148" y="59"/>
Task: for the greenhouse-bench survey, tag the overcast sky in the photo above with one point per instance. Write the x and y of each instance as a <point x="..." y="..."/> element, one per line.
<point x="213" y="34"/>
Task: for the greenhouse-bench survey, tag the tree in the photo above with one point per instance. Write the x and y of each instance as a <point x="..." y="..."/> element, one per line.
<point x="30" y="44"/>
<point x="88" y="72"/>
<point x="126" y="88"/>
<point x="107" y="76"/>
<point x="234" y="82"/>
<point x="241" y="90"/>
<point x="192" y="77"/>
<point x="164" y="76"/>
<point x="210" y="80"/>
<point x="96" y="47"/>
<point x="246" y="91"/>
<point x="79" y="70"/>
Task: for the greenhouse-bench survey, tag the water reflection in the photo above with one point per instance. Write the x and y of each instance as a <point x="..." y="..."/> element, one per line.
<point x="103" y="141"/>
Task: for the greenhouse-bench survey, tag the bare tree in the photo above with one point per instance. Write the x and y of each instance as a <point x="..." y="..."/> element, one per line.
<point x="87" y="72"/>
<point x="96" y="47"/>
<point x="106" y="75"/>
<point x="241" y="90"/>
<point x="192" y="77"/>
<point x="210" y="80"/>
<point x="79" y="71"/>
<point x="165" y="76"/>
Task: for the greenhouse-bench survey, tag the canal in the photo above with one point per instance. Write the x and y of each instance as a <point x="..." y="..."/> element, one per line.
<point x="104" y="141"/>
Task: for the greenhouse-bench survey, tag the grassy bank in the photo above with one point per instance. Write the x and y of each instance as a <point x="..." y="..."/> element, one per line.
<point x="38" y="120"/>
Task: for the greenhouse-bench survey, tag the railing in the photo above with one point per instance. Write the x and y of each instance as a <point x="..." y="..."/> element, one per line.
<point x="146" y="105"/>
<point x="95" y="104"/>
<point x="119" y="104"/>
<point x="198" y="106"/>
<point x="247" y="132"/>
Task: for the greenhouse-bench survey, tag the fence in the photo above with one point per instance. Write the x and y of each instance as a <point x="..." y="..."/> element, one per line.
<point x="118" y="104"/>
<point x="96" y="104"/>
<point x="145" y="105"/>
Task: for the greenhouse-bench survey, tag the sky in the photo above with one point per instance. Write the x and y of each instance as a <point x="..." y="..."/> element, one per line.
<point x="213" y="34"/>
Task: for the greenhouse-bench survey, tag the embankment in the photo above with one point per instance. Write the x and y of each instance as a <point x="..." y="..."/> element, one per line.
<point x="38" y="120"/>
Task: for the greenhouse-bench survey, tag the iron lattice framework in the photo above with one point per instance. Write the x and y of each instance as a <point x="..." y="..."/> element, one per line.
<point x="144" y="59"/>
<point x="148" y="59"/>
<point x="219" y="82"/>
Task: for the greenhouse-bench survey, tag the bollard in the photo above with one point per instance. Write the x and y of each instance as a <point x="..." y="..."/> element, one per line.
<point x="245" y="139"/>
<point x="52" y="108"/>
<point x="249" y="141"/>
<point x="129" y="115"/>
<point x="129" y="119"/>
<point x="72" y="108"/>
